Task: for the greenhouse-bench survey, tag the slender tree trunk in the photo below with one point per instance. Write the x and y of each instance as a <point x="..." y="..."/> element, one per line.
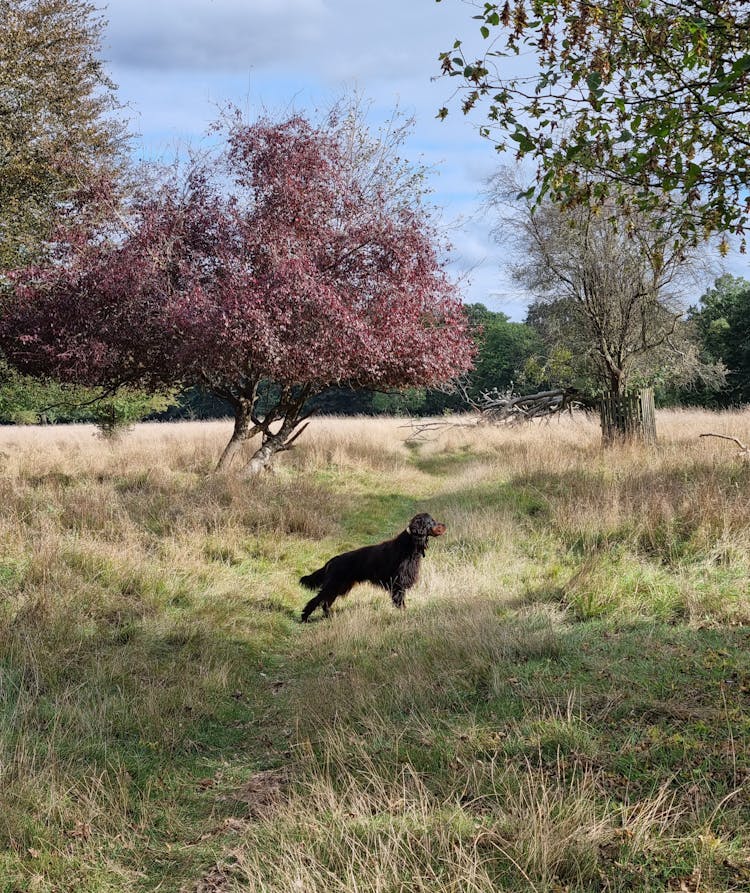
<point x="243" y="429"/>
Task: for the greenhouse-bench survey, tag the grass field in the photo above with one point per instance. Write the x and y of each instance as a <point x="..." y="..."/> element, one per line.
<point x="563" y="706"/>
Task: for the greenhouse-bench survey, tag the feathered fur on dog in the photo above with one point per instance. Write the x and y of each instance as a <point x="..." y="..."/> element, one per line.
<point x="393" y="564"/>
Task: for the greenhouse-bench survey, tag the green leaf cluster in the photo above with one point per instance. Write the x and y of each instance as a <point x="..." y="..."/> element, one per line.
<point x="59" y="136"/>
<point x="504" y="349"/>
<point x="648" y="103"/>
<point x="723" y="321"/>
<point x="27" y="401"/>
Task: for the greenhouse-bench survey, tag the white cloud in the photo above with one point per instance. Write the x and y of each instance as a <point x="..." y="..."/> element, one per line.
<point x="223" y="35"/>
<point x="178" y="61"/>
<point x="335" y="39"/>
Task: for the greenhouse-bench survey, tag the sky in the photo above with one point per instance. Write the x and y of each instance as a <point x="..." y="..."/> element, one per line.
<point x="177" y="62"/>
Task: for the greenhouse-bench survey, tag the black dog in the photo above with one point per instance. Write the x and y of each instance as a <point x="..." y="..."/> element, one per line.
<point x="394" y="565"/>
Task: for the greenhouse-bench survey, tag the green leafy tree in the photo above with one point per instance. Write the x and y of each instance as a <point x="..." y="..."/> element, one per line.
<point x="25" y="400"/>
<point x="410" y="401"/>
<point x="503" y="350"/>
<point x="62" y="162"/>
<point x="647" y="101"/>
<point x="59" y="138"/>
<point x="723" y="322"/>
<point x="115" y="415"/>
<point x="563" y="361"/>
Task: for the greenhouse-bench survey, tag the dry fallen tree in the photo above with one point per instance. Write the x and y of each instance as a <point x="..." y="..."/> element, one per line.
<point x="504" y="407"/>
<point x="497" y="406"/>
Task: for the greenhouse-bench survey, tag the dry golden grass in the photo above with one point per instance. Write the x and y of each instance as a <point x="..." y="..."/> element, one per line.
<point x="562" y="706"/>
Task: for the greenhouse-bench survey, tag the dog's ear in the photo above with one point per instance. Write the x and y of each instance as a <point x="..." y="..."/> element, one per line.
<point x="420" y="525"/>
<point x="424" y="525"/>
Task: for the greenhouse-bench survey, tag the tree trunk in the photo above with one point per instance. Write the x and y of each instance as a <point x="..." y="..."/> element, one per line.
<point x="628" y="417"/>
<point x="262" y="458"/>
<point x="288" y="411"/>
<point x="243" y="429"/>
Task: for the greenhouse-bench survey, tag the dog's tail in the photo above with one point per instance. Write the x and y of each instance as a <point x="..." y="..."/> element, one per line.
<point x="315" y="579"/>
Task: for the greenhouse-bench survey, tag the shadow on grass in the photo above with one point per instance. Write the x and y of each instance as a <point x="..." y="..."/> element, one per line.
<point x="134" y="734"/>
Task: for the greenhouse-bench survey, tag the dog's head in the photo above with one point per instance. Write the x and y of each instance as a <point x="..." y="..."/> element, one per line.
<point x="424" y="525"/>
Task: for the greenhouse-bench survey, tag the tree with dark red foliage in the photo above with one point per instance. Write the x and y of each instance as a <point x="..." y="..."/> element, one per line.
<point x="300" y="258"/>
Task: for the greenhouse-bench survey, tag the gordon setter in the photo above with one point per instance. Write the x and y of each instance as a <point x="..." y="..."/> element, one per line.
<point x="394" y="565"/>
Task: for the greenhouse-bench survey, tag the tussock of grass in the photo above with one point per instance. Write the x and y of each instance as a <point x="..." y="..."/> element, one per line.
<point x="622" y="587"/>
<point x="442" y="655"/>
<point x="531" y="829"/>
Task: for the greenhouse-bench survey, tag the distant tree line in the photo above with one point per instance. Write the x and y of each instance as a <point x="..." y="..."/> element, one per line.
<point x="523" y="356"/>
<point x="722" y="321"/>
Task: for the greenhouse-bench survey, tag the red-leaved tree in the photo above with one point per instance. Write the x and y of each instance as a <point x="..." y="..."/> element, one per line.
<point x="300" y="258"/>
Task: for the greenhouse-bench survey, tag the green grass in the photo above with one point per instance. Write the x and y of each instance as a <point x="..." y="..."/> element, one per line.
<point x="564" y="705"/>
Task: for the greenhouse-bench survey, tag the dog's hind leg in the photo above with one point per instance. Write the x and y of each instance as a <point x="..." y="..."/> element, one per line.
<point x="325" y="598"/>
<point x="330" y="592"/>
<point x="314" y="602"/>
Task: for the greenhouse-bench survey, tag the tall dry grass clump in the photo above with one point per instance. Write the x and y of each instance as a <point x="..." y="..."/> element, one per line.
<point x="538" y="830"/>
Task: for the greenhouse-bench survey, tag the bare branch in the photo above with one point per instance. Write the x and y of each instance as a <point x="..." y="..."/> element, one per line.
<point x="744" y="450"/>
<point x="505" y="407"/>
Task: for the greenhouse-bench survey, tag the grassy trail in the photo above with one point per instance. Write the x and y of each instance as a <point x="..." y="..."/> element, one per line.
<point x="565" y="704"/>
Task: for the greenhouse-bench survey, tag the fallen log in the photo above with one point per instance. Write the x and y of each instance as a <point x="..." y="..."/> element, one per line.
<point x="503" y="407"/>
<point x="495" y="406"/>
